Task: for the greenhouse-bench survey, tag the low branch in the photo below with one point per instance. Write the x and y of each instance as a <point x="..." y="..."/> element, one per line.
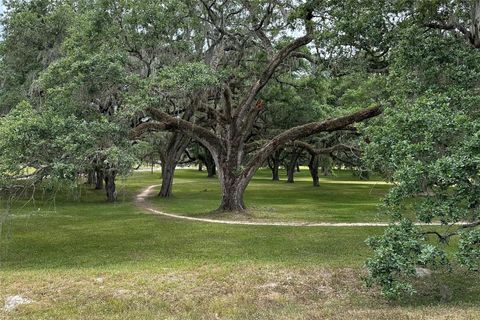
<point x="305" y="56"/>
<point x="252" y="146"/>
<point x="306" y="130"/>
<point x="141" y="129"/>
<point x="348" y="162"/>
<point x="449" y="27"/>
<point x="442" y="238"/>
<point x="314" y="151"/>
<point x="203" y="135"/>
<point x="461" y="30"/>
<point x="445" y="237"/>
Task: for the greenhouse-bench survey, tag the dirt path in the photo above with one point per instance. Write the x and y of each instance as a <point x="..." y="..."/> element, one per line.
<point x="140" y="200"/>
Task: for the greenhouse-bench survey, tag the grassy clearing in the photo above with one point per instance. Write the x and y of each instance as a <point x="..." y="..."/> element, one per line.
<point x="88" y="259"/>
<point x="340" y="198"/>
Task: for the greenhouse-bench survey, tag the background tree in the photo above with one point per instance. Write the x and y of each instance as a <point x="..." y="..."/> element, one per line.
<point x="33" y="32"/>
<point x="68" y="79"/>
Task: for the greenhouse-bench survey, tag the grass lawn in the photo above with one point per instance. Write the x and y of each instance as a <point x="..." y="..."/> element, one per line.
<point x="85" y="259"/>
<point x="340" y="198"/>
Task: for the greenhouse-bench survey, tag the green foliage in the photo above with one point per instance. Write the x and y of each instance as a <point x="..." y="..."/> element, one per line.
<point x="397" y="253"/>
<point x="296" y="101"/>
<point x="44" y="141"/>
<point x="33" y="33"/>
<point x="428" y="145"/>
<point x="84" y="74"/>
<point x="186" y="77"/>
<point x="469" y="249"/>
<point x="58" y="146"/>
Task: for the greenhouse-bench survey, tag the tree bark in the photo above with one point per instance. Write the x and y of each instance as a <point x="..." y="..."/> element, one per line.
<point x="290" y="173"/>
<point x="91" y="177"/>
<point x="292" y="165"/>
<point x="110" y="187"/>
<point x="233" y="189"/>
<point x="313" y="167"/>
<point x="99" y="176"/>
<point x="327" y="170"/>
<point x="210" y="164"/>
<point x="326" y="165"/>
<point x="275" y="171"/>
<point x="175" y="149"/>
<point x="475" y="27"/>
<point x="200" y="166"/>
<point x="168" y="170"/>
<point x="274" y="164"/>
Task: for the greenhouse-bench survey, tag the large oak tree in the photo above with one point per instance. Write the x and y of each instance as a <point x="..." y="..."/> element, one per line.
<point x="246" y="41"/>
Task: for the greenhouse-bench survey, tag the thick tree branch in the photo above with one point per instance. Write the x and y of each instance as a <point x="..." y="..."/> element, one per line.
<point x="205" y="136"/>
<point x="314" y="151"/>
<point x="141" y="129"/>
<point x="227" y="95"/>
<point x="246" y="105"/>
<point x="472" y="38"/>
<point x="306" y="130"/>
<point x="305" y="56"/>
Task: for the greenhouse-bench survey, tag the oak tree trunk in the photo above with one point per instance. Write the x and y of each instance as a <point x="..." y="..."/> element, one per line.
<point x="110" y="187"/>
<point x="274" y="164"/>
<point x="175" y="149"/>
<point x="233" y="181"/>
<point x="275" y="172"/>
<point x="292" y="165"/>
<point x="327" y="171"/>
<point x="99" y="176"/>
<point x="233" y="189"/>
<point x="326" y="163"/>
<point x="210" y="164"/>
<point x="290" y="173"/>
<point x="90" y="177"/>
<point x="313" y="167"/>
<point x="168" y="170"/>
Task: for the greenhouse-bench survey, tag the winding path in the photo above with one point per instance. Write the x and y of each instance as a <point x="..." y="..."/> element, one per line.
<point x="140" y="201"/>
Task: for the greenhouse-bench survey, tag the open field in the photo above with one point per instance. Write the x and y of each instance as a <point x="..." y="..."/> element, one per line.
<point x="89" y="259"/>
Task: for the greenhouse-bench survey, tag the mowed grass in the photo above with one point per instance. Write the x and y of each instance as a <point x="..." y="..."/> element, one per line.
<point x="86" y="259"/>
<point x="340" y="198"/>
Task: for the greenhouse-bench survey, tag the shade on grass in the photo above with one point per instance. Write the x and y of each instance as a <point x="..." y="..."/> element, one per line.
<point x="340" y="198"/>
<point x="54" y="254"/>
<point x="89" y="232"/>
<point x="111" y="236"/>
